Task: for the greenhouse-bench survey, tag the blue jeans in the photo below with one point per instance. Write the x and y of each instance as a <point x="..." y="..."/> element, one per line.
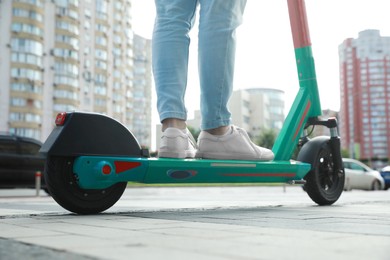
<point x="216" y="55"/>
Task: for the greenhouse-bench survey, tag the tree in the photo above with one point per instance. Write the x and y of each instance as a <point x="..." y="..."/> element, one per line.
<point x="266" y="138"/>
<point x="344" y="153"/>
<point x="194" y="131"/>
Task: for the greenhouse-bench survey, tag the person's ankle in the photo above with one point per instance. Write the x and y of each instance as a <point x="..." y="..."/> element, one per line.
<point x="219" y="130"/>
<point x="173" y="122"/>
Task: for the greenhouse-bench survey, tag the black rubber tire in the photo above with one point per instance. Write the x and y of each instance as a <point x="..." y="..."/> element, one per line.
<point x="324" y="184"/>
<point x="62" y="185"/>
<point x="376" y="185"/>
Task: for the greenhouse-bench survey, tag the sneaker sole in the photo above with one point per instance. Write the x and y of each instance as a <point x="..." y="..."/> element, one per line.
<point x="178" y="155"/>
<point x="219" y="156"/>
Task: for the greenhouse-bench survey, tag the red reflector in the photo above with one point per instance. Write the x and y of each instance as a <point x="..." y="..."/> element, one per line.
<point x="60" y="119"/>
<point x="106" y="169"/>
<point x="124" y="166"/>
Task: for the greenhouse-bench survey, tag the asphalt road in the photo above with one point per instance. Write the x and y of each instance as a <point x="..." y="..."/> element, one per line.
<point x="199" y="223"/>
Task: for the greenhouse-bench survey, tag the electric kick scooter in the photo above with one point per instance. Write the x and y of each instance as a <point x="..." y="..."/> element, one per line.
<point x="91" y="157"/>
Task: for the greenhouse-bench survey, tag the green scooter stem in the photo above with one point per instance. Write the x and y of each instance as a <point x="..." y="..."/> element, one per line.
<point x="307" y="102"/>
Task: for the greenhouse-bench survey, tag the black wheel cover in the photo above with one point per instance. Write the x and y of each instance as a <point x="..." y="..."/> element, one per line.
<point x="63" y="187"/>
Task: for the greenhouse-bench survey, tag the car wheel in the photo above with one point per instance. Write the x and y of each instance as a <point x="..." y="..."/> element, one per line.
<point x="376" y="185"/>
<point x="347" y="185"/>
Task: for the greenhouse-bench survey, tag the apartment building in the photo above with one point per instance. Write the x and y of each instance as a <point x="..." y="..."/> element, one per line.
<point x="254" y="109"/>
<point x="365" y="96"/>
<point x="66" y="55"/>
<point x="142" y="91"/>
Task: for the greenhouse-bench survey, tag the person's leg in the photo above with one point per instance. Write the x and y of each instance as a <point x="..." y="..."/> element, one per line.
<point x="170" y="47"/>
<point x="217" y="45"/>
<point x="219" y="140"/>
<point x="170" y="50"/>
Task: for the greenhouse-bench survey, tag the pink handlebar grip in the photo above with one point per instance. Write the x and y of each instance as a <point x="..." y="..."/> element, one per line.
<point x="299" y="25"/>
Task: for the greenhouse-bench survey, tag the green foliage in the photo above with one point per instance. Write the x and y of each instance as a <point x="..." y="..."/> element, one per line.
<point x="344" y="153"/>
<point x="194" y="131"/>
<point x="266" y="138"/>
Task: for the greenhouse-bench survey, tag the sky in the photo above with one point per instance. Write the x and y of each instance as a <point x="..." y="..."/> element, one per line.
<point x="265" y="52"/>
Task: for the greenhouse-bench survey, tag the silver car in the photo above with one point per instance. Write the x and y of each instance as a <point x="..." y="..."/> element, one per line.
<point x="360" y="176"/>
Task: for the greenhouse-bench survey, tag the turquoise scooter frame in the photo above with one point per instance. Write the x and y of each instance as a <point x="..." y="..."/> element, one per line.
<point x="91" y="157"/>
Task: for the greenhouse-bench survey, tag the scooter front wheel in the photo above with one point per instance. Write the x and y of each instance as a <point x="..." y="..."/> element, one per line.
<point x="63" y="187"/>
<point x="324" y="182"/>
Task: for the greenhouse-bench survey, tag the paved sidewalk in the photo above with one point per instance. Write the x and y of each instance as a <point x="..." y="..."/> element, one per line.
<point x="199" y="223"/>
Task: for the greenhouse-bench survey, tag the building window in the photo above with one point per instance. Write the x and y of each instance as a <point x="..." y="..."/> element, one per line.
<point x="65" y="3"/>
<point x="32" y="2"/>
<point x="66" y="80"/>
<point x="18" y="102"/>
<point x="101" y="9"/>
<point x="64" y="11"/>
<point x="27" y="14"/>
<point x="26" y="87"/>
<point x="101" y="28"/>
<point x="101" y="40"/>
<point x="72" y="41"/>
<point x="26" y="45"/>
<point x="26" y="28"/>
<point x="101" y="64"/>
<point x="26" y="58"/>
<point x="100" y="102"/>
<point x="100" y="80"/>
<point x="68" y="26"/>
<point x="63" y="107"/>
<point x="66" y="69"/>
<point x="26" y="73"/>
<point x="101" y="54"/>
<point x="27" y="132"/>
<point x="65" y="53"/>
<point x="66" y="94"/>
<point x="24" y="117"/>
<point x="87" y="13"/>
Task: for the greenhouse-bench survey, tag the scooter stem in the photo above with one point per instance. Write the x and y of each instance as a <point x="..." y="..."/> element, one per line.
<point x="307" y="102"/>
<point x="298" y="22"/>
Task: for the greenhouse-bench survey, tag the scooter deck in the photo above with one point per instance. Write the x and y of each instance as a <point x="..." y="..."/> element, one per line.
<point x="96" y="172"/>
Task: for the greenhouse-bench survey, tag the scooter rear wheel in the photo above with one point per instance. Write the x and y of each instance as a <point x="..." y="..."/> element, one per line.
<point x="324" y="183"/>
<point x="63" y="187"/>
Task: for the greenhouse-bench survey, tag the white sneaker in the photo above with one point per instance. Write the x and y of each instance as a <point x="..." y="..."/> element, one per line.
<point x="177" y="143"/>
<point x="234" y="145"/>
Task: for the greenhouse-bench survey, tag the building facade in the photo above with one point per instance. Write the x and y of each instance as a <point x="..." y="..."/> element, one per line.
<point x="142" y="91"/>
<point x="254" y="109"/>
<point x="365" y="96"/>
<point x="273" y="114"/>
<point x="64" y="55"/>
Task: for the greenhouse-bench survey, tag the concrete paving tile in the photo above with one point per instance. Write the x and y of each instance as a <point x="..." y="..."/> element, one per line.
<point x="139" y="251"/>
<point x="315" y="244"/>
<point x="27" y="220"/>
<point x="212" y="223"/>
<point x="135" y="244"/>
<point x="14" y="231"/>
<point x="67" y="242"/>
<point x="188" y="244"/>
<point x="118" y="224"/>
<point x="193" y="232"/>
<point x="82" y="230"/>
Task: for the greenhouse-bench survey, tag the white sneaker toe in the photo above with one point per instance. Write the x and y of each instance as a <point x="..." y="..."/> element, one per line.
<point x="234" y="145"/>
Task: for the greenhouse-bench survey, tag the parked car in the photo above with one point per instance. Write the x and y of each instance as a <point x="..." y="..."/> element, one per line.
<point x="20" y="161"/>
<point x="360" y="176"/>
<point x="385" y="172"/>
